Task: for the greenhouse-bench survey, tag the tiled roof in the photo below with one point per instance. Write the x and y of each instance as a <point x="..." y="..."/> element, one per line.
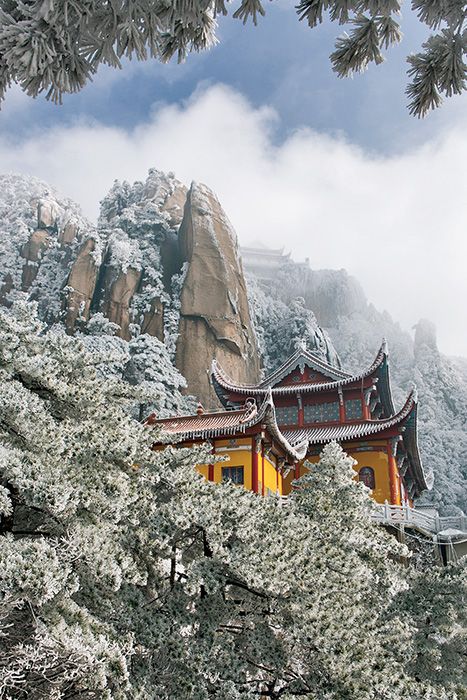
<point x="296" y="442"/>
<point x="213" y="423"/>
<point x="223" y="383"/>
<point x="210" y="425"/>
<point x="303" y="357"/>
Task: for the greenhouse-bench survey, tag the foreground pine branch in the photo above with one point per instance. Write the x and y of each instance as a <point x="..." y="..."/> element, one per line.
<point x="56" y="47"/>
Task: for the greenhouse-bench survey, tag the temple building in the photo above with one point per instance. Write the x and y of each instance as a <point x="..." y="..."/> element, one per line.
<point x="270" y="433"/>
<point x="262" y="262"/>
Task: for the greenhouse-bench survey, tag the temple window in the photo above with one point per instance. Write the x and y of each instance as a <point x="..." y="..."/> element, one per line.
<point x="353" y="409"/>
<point x="321" y="412"/>
<point x="367" y="476"/>
<point x="287" y="415"/>
<point x="233" y="474"/>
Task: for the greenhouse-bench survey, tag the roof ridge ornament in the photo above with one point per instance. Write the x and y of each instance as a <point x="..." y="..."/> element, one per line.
<point x="414" y="392"/>
<point x="301" y="344"/>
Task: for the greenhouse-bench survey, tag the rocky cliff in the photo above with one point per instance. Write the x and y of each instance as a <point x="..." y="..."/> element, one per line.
<point x="162" y="261"/>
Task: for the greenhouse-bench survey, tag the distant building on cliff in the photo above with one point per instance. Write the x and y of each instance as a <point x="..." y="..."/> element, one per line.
<point x="264" y="263"/>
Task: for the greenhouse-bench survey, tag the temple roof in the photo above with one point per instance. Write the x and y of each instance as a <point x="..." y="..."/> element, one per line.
<point x="301" y="358"/>
<point x="262" y="250"/>
<point x="321" y="434"/>
<point x="295" y="443"/>
<point x="336" y="378"/>
<point x="223" y="423"/>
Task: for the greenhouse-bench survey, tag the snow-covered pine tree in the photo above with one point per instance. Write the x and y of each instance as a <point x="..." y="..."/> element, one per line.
<point x="144" y="362"/>
<point x="318" y="574"/>
<point x="85" y="545"/>
<point x="150" y="368"/>
<point x="123" y="574"/>
<point x="56" y="47"/>
<point x="281" y="327"/>
<point x="66" y="462"/>
<point x="436" y="604"/>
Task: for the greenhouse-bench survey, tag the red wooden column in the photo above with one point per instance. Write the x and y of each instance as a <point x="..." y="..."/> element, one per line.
<point x="366" y="404"/>
<point x="255" y="447"/>
<point x="301" y="414"/>
<point x="394" y="487"/>
<point x="341" y="405"/>
<point x="211" y="466"/>
<point x="262" y="469"/>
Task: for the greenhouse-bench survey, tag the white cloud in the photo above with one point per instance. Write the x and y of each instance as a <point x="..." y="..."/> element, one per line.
<point x="397" y="223"/>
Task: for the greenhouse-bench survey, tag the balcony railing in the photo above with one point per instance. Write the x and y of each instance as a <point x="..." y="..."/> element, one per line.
<point x="411" y="517"/>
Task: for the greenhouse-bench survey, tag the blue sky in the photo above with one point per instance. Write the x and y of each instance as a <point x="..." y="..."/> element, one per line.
<point x="282" y="63"/>
<point x="336" y="170"/>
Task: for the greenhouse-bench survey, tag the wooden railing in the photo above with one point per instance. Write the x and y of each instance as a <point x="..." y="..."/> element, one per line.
<point x="411" y="517"/>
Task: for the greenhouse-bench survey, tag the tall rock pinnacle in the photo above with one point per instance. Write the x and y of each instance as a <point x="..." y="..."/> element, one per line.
<point x="214" y="316"/>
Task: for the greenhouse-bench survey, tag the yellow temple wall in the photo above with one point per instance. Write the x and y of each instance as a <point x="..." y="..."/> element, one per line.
<point x="271" y="483"/>
<point x="239" y="454"/>
<point x="377" y="460"/>
<point x="236" y="457"/>
<point x="203" y="469"/>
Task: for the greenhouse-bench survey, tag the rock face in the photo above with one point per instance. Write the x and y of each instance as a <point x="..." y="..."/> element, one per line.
<point x="32" y="252"/>
<point x="214" y="315"/>
<point x="81" y="284"/>
<point x="174" y="205"/>
<point x="153" y="320"/>
<point x="119" y="289"/>
<point x="163" y="261"/>
<point x="330" y="294"/>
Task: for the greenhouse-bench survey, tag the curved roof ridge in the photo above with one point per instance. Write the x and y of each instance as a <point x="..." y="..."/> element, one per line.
<point x="382" y="353"/>
<point x="313" y="359"/>
<point x="381" y="366"/>
<point x="213" y="424"/>
<point x="219" y="373"/>
<point x="227" y="383"/>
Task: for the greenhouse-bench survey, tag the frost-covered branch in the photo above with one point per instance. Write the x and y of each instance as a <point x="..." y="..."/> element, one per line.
<point x="155" y="583"/>
<point x="56" y="47"/>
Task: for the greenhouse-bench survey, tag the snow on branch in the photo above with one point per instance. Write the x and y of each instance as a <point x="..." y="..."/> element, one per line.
<point x="56" y="47"/>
